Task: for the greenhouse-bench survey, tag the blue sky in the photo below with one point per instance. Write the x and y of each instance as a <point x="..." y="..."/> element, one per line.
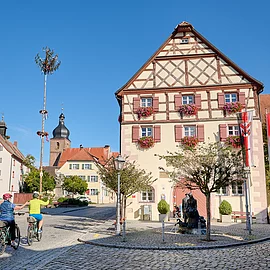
<point x="101" y="45"/>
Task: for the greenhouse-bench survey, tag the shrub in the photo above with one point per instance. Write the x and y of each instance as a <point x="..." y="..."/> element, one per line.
<point x="61" y="199"/>
<point x="225" y="208"/>
<point x="163" y="207"/>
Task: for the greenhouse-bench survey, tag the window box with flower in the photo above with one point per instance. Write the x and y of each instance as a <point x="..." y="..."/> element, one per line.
<point x="189" y="141"/>
<point x="188" y="109"/>
<point x="234" y="141"/>
<point x="144" y="112"/>
<point x="232" y="107"/>
<point x="146" y="142"/>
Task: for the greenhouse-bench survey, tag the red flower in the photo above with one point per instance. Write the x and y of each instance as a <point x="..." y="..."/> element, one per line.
<point x="144" y="112"/>
<point x="234" y="141"/>
<point x="233" y="107"/>
<point x="146" y="142"/>
<point x="190" y="141"/>
<point x="188" y="109"/>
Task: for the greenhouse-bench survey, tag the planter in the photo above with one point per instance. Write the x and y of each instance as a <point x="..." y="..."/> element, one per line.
<point x="163" y="217"/>
<point x="188" y="109"/>
<point x="226" y="218"/>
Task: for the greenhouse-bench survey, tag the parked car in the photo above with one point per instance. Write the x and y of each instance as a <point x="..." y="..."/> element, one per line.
<point x="84" y="199"/>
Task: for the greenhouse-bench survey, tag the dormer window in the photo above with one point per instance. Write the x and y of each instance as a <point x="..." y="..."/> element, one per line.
<point x="184" y="41"/>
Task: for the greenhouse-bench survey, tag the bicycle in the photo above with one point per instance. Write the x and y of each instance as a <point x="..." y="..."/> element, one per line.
<point x="32" y="230"/>
<point x="5" y="236"/>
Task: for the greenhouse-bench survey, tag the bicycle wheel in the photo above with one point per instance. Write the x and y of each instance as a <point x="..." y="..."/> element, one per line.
<point x="17" y="237"/>
<point x="30" y="235"/>
<point x="2" y="242"/>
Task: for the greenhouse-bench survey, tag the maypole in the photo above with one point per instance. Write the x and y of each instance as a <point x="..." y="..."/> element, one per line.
<point x="47" y="66"/>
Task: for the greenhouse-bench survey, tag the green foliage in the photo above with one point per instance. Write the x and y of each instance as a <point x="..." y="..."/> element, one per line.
<point x="29" y="161"/>
<point x="74" y="184"/>
<point x="133" y="179"/>
<point x="61" y="199"/>
<point x="50" y="63"/>
<point x="32" y="180"/>
<point x="163" y="207"/>
<point x="225" y="208"/>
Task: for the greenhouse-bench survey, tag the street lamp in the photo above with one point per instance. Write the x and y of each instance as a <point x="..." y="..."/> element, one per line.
<point x="247" y="198"/>
<point x="119" y="164"/>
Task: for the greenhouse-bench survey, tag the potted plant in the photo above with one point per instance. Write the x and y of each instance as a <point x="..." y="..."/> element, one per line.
<point x="234" y="141"/>
<point x="225" y="210"/>
<point x="232" y="107"/>
<point x="144" y="112"/>
<point x="188" y="109"/>
<point x="163" y="209"/>
<point x="146" y="142"/>
<point x="189" y="141"/>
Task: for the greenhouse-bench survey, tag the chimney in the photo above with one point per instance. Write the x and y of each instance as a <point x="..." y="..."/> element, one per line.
<point x="81" y="147"/>
<point x="15" y="143"/>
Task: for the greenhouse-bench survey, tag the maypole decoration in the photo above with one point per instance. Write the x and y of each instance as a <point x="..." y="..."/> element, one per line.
<point x="47" y="66"/>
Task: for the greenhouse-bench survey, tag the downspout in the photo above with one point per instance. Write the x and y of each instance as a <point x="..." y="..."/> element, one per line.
<point x="119" y="99"/>
<point x="259" y="92"/>
<point x="10" y="172"/>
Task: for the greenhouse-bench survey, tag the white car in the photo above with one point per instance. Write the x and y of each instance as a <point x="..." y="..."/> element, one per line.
<point x="84" y="199"/>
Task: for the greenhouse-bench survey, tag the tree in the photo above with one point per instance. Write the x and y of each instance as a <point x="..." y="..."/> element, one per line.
<point x="29" y="161"/>
<point x="48" y="66"/>
<point x="32" y="181"/>
<point x="74" y="184"/>
<point x="133" y="179"/>
<point x="208" y="167"/>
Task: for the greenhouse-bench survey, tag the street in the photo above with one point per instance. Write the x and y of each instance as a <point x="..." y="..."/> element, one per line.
<point x="59" y="248"/>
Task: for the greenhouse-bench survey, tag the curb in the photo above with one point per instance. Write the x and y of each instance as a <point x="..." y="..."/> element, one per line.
<point x="175" y="248"/>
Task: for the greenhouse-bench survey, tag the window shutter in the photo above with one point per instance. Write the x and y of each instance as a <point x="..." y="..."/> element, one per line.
<point x="70" y="166"/>
<point x="222" y="132"/>
<point x="221" y="100"/>
<point x="200" y="133"/>
<point x="242" y="98"/>
<point x="157" y="134"/>
<point x="136" y="104"/>
<point x="178" y="130"/>
<point x="155" y="104"/>
<point x="177" y="101"/>
<point x="135" y="133"/>
<point x="198" y="101"/>
<point x="82" y="166"/>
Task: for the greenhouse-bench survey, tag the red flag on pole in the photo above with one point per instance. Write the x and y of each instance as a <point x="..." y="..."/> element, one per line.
<point x="245" y="128"/>
<point x="268" y="134"/>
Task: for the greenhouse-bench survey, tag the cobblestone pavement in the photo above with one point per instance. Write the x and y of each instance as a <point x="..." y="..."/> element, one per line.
<point x="60" y="248"/>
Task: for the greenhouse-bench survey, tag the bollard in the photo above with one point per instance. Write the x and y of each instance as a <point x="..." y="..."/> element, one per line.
<point x="163" y="240"/>
<point x="124" y="231"/>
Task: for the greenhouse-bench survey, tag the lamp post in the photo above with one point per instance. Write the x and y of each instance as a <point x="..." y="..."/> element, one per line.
<point x="118" y="163"/>
<point x="247" y="198"/>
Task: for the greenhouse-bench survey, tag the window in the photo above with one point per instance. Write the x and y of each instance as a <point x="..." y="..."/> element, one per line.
<point x="222" y="191"/>
<point x="57" y="145"/>
<point x="106" y="192"/>
<point x="146" y="102"/>
<point x="237" y="188"/>
<point x="189" y="131"/>
<point x="13" y="162"/>
<point x="82" y="177"/>
<point x="187" y="99"/>
<point x="13" y="174"/>
<point x="0" y="160"/>
<point x="233" y="130"/>
<point x="1" y="147"/>
<point x="230" y="97"/>
<point x="93" y="191"/>
<point x="0" y="172"/>
<point x="87" y="166"/>
<point x="94" y="178"/>
<point x="148" y="195"/>
<point x="184" y="41"/>
<point x="147" y="131"/>
<point x="74" y="166"/>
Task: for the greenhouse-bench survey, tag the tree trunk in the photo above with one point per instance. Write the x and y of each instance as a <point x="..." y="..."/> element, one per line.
<point x="125" y="207"/>
<point x="208" y="211"/>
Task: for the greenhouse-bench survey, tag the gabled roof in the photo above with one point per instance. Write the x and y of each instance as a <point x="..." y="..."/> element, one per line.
<point x="100" y="154"/>
<point x="12" y="149"/>
<point x="183" y="28"/>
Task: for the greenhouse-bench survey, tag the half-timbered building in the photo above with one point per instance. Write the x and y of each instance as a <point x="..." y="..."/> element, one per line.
<point x="181" y="92"/>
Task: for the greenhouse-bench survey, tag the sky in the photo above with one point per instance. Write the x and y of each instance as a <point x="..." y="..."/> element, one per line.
<point x="101" y="45"/>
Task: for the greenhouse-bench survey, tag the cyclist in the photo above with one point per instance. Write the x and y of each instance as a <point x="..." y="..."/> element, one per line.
<point x="34" y="209"/>
<point x="7" y="214"/>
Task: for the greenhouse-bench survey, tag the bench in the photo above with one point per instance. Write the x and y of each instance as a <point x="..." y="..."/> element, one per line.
<point x="239" y="215"/>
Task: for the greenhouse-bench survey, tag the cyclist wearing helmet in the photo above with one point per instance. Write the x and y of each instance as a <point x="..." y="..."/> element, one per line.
<point x="7" y="214"/>
<point x="34" y="209"/>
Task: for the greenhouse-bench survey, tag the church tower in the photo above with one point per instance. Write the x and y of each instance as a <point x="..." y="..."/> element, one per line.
<point x="59" y="142"/>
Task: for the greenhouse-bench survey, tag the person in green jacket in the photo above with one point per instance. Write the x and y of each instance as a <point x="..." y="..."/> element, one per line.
<point x="34" y="209"/>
